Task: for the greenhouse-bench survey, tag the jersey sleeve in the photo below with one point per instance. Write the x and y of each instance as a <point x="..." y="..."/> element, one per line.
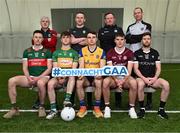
<point x="49" y="55"/>
<point x="135" y="58"/>
<point x="80" y="53"/>
<point x="103" y="56"/>
<point x="131" y="56"/>
<point x="55" y="57"/>
<point x="25" y="55"/>
<point x="108" y="57"/>
<point x="157" y="57"/>
<point x="75" y="59"/>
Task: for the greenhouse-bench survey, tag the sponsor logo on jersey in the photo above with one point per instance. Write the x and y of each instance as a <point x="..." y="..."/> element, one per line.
<point x="146" y="56"/>
<point x="37" y="62"/>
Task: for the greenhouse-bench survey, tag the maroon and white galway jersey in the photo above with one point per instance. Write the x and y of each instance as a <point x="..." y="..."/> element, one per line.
<point x="120" y="58"/>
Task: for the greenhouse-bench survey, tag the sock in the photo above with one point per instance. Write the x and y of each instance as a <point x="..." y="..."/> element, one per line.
<point x="141" y="104"/>
<point x="67" y="96"/>
<point x="41" y="105"/>
<point x="82" y="103"/>
<point x="162" y="104"/>
<point x="131" y="106"/>
<point x="53" y="107"/>
<point x="107" y="104"/>
<point x="14" y="105"/>
<point x="97" y="103"/>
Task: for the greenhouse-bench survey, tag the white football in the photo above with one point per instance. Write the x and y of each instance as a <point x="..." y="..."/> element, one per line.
<point x="68" y="114"/>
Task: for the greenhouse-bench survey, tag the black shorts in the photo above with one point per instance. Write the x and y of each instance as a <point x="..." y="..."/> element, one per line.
<point x="90" y="79"/>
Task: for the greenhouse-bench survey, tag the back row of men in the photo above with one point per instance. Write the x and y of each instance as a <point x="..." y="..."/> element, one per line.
<point x="37" y="65"/>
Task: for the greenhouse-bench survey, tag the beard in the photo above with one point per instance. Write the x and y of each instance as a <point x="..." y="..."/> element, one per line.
<point x="146" y="45"/>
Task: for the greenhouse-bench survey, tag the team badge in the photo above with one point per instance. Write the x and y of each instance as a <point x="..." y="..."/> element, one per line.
<point x="49" y="35"/>
<point x="115" y="31"/>
<point x="74" y="31"/>
<point x="153" y="56"/>
<point x="84" y="32"/>
<point x="124" y="57"/>
<point x="70" y="54"/>
<point x="97" y="56"/>
<point x="42" y="54"/>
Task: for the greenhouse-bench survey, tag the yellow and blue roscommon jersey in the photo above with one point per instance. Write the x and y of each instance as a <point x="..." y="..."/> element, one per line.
<point x="92" y="59"/>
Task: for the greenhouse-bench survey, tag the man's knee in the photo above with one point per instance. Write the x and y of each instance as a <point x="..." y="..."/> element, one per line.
<point x="166" y="86"/>
<point x="12" y="81"/>
<point x="79" y="84"/>
<point x="41" y="83"/>
<point x="133" y="84"/>
<point x="106" y="83"/>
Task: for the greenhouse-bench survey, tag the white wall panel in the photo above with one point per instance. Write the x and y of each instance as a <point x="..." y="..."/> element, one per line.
<point x="25" y="16"/>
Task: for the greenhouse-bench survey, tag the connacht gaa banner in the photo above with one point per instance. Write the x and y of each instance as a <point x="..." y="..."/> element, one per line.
<point x="105" y="71"/>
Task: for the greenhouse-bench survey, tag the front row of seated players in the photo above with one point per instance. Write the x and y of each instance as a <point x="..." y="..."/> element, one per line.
<point x="37" y="64"/>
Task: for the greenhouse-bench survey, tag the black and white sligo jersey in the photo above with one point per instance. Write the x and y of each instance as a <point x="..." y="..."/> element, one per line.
<point x="147" y="61"/>
<point x="135" y="31"/>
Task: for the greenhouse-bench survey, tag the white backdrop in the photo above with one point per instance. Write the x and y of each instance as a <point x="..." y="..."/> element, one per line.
<point x="19" y="18"/>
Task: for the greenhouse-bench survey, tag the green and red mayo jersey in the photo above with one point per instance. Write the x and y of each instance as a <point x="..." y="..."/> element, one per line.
<point x="37" y="60"/>
<point x="65" y="58"/>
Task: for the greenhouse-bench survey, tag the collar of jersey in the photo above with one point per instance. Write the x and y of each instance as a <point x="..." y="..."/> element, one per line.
<point x="41" y="47"/>
<point x="146" y="51"/>
<point x="93" y="50"/>
<point x="118" y="51"/>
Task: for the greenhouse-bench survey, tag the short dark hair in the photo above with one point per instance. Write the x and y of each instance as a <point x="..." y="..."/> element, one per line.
<point x="120" y="34"/>
<point x="146" y="34"/>
<point x="92" y="32"/>
<point x="65" y="33"/>
<point x="108" y="14"/>
<point x="80" y="12"/>
<point x="37" y="31"/>
<point x="138" y="8"/>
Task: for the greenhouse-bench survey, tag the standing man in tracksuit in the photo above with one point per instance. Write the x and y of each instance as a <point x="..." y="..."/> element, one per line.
<point x="106" y="36"/>
<point x="78" y="40"/>
<point x="134" y="35"/>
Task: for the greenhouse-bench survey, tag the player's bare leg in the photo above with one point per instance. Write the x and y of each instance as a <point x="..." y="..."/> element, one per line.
<point x="98" y="86"/>
<point x="161" y="83"/>
<point x="131" y="84"/>
<point x="81" y="83"/>
<point x="12" y="84"/>
<point x="70" y="87"/>
<point x="41" y="84"/>
<point x="107" y="83"/>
